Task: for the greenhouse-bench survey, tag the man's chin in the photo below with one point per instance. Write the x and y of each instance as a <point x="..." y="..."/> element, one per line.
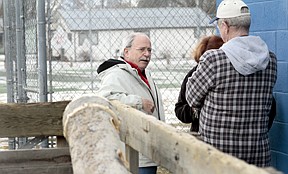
<point x="143" y="67"/>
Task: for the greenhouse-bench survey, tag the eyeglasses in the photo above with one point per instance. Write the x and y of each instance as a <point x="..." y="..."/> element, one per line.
<point x="143" y="49"/>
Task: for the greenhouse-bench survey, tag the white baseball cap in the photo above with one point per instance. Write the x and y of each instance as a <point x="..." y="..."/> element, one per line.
<point x="230" y="9"/>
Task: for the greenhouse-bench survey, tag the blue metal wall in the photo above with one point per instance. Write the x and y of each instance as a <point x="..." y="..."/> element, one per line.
<point x="270" y="21"/>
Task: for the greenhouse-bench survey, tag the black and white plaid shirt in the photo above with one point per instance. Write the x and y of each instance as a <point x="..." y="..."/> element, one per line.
<point x="234" y="116"/>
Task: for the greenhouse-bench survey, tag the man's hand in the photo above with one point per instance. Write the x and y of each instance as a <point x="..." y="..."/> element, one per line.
<point x="148" y="106"/>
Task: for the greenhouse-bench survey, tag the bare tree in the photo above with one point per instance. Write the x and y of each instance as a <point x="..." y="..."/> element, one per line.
<point x="209" y="6"/>
<point x="79" y="4"/>
<point x="153" y="3"/>
<point x="166" y="3"/>
<point x="185" y="3"/>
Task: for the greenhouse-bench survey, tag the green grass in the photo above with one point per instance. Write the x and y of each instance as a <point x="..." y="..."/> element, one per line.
<point x="3" y="88"/>
<point x="70" y="78"/>
<point x="63" y="77"/>
<point x="66" y="89"/>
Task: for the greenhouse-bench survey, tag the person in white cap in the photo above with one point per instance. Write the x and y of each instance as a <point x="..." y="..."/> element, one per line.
<point x="233" y="87"/>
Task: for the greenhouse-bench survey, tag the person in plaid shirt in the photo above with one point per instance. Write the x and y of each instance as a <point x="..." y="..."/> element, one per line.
<point x="233" y="87"/>
<point x="182" y="110"/>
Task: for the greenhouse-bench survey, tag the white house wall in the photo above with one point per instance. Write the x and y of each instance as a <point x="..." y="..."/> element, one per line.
<point x="109" y="42"/>
<point x="60" y="41"/>
<point x="172" y="43"/>
<point x="178" y="43"/>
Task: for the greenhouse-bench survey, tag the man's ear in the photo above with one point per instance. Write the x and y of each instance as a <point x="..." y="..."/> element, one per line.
<point x="126" y="52"/>
<point x="226" y="27"/>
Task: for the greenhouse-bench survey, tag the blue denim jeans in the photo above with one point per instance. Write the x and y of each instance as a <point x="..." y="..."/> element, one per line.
<point x="148" y="170"/>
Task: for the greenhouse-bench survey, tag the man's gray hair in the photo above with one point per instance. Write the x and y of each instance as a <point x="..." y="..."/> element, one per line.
<point x="128" y="40"/>
<point x="241" y="22"/>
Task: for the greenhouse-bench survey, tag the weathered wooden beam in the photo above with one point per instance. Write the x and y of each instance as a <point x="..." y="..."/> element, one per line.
<point x="44" y="161"/>
<point x="93" y="136"/>
<point x="61" y="142"/>
<point x="31" y="119"/>
<point x="177" y="151"/>
<point x="132" y="157"/>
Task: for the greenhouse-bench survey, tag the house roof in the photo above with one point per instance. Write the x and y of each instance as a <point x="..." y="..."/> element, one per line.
<point x="135" y="18"/>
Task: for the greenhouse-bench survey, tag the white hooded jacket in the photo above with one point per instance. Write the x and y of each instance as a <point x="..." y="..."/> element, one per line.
<point x="247" y="54"/>
<point x="119" y="81"/>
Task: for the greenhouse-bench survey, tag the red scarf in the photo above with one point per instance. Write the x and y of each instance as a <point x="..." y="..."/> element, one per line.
<point x="141" y="74"/>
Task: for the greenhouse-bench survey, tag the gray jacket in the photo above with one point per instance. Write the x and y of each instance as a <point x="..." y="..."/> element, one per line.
<point x="119" y="81"/>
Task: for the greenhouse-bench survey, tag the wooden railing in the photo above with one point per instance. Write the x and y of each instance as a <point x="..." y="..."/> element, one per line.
<point x="94" y="127"/>
<point x="29" y="120"/>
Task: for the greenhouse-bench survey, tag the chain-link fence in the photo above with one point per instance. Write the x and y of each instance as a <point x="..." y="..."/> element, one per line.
<point x="58" y="44"/>
<point x="85" y="34"/>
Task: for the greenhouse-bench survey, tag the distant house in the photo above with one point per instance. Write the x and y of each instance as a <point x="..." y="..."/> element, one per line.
<point x="80" y="35"/>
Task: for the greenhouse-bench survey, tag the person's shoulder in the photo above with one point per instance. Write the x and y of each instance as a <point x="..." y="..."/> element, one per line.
<point x="191" y="71"/>
<point x="215" y="52"/>
<point x="109" y="64"/>
<point x="213" y="55"/>
<point x="272" y="55"/>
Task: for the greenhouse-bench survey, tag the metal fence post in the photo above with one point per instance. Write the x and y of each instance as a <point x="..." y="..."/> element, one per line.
<point x="9" y="54"/>
<point x="42" y="55"/>
<point x="20" y="58"/>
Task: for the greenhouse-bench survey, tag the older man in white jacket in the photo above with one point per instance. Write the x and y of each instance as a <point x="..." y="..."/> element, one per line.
<point x="127" y="80"/>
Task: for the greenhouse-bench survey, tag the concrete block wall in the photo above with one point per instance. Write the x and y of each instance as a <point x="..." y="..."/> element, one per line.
<point x="270" y="21"/>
